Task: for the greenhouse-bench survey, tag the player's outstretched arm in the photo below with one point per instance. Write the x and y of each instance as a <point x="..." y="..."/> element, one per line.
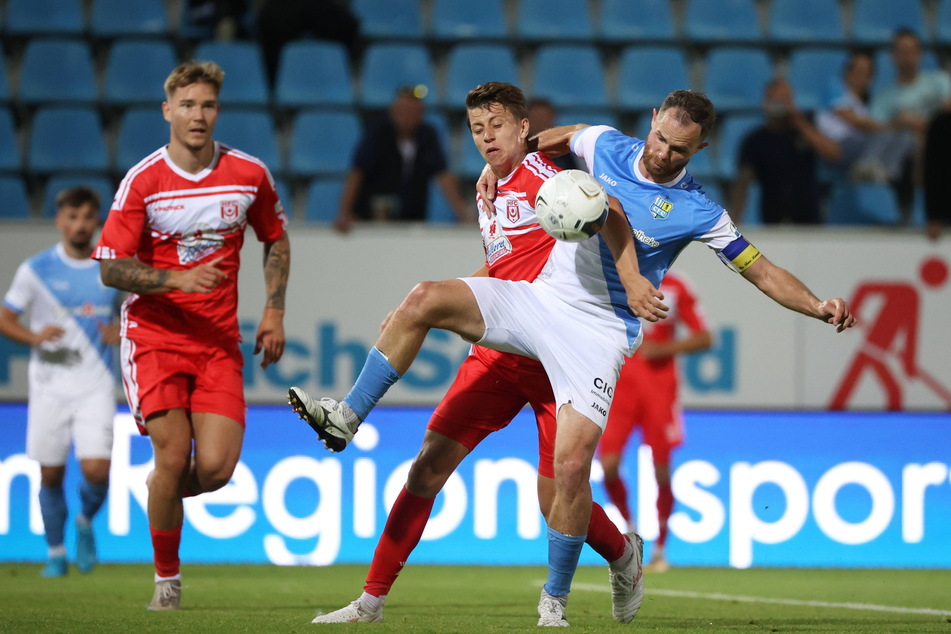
<point x="555" y="141"/>
<point x="129" y="274"/>
<point x="270" y="336"/>
<point x="787" y="290"/>
<point x="642" y="297"/>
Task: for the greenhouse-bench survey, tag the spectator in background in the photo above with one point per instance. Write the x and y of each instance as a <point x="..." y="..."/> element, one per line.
<point x="909" y="103"/>
<point x="782" y="156"/>
<point x="647" y="396"/>
<point x="73" y="326"/>
<point x="541" y="116"/>
<point x="223" y="19"/>
<point x="393" y="163"/>
<point x="937" y="189"/>
<point x="280" y="21"/>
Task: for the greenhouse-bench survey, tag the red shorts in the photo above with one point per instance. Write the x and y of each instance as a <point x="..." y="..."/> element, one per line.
<point x="490" y="389"/>
<point x="209" y="380"/>
<point x="645" y="399"/>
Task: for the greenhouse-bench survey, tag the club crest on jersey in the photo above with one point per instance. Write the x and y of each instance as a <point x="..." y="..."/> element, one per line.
<point x="229" y="210"/>
<point x="661" y="208"/>
<point x="512" y="210"/>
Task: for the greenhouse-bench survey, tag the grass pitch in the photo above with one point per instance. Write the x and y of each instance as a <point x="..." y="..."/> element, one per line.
<point x="477" y="599"/>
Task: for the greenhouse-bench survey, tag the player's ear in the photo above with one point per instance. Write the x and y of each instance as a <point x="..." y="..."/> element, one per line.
<point x="167" y="111"/>
<point x="523" y="128"/>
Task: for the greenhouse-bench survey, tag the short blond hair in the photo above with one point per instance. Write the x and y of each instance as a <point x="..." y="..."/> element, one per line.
<point x="194" y="72"/>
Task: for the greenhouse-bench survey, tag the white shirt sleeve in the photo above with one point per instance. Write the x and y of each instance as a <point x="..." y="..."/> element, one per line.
<point x="20" y="295"/>
<point x="584" y="140"/>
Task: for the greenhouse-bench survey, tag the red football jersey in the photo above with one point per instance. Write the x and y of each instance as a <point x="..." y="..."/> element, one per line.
<point x="174" y="220"/>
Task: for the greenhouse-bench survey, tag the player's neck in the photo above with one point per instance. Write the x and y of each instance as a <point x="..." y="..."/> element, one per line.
<point x="77" y="253"/>
<point x="189" y="159"/>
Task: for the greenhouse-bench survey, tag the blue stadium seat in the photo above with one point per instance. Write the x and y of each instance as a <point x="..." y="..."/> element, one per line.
<point x="44" y="17"/>
<point x="313" y="73"/>
<point x="810" y="73"/>
<point x="805" y="22"/>
<point x="58" y="182"/>
<point x="4" y="85"/>
<point x="590" y="116"/>
<point x="456" y="20"/>
<point x="393" y="19"/>
<point x="322" y="143"/>
<point x="736" y="77"/>
<point x="468" y="162"/>
<point x="136" y="71"/>
<point x="729" y="137"/>
<point x="142" y="130"/>
<point x="66" y="139"/>
<point x="703" y="165"/>
<point x="623" y="21"/>
<point x="885" y="69"/>
<point x="10" y="159"/>
<point x="386" y="67"/>
<point x="57" y="70"/>
<point x="570" y="75"/>
<point x="440" y="211"/>
<point x="244" y="71"/>
<point x="874" y="21"/>
<point x="469" y="65"/>
<point x="122" y="18"/>
<point x="722" y="21"/>
<point x="323" y="200"/>
<point x="753" y="214"/>
<point x="252" y="132"/>
<point x="554" y="20"/>
<point x="942" y="32"/>
<point x="862" y="204"/>
<point x="647" y="74"/>
<point x="16" y="204"/>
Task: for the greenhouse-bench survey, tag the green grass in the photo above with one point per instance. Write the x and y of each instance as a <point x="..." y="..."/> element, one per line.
<point x="476" y="599"/>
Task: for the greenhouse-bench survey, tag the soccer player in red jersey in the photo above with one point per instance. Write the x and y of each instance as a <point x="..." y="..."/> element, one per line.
<point x="646" y="396"/>
<point x="492" y="387"/>
<point x="173" y="240"/>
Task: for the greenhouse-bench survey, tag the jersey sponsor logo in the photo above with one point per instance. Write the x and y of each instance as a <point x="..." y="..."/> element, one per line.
<point x="158" y="208"/>
<point x="229" y="210"/>
<point x="199" y="241"/>
<point x="603" y="387"/>
<point x="640" y="236"/>
<point x="497" y="248"/>
<point x="607" y="179"/>
<point x="512" y="210"/>
<point x="661" y="208"/>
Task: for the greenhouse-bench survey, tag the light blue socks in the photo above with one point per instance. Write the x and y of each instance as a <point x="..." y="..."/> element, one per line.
<point x="375" y="379"/>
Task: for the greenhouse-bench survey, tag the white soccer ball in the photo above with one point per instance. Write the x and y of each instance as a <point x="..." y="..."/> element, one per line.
<point x="571" y="206"/>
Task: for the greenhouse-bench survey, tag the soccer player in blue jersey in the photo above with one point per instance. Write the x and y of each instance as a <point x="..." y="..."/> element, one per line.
<point x="72" y="390"/>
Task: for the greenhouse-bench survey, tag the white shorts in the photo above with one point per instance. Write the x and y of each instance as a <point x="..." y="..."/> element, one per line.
<point x="582" y="350"/>
<point x="54" y="421"/>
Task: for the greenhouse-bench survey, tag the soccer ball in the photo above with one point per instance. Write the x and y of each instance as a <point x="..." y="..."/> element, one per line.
<point x="571" y="206"/>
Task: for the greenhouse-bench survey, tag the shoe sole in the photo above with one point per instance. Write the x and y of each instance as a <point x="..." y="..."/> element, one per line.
<point x="331" y="442"/>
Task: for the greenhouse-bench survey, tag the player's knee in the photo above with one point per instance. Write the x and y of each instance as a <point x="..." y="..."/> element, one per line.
<point x="571" y="471"/>
<point x="421" y="303"/>
<point x="424" y="479"/>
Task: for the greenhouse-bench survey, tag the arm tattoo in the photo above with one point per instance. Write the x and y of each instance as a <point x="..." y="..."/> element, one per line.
<point x="277" y="263"/>
<point x="129" y="274"/>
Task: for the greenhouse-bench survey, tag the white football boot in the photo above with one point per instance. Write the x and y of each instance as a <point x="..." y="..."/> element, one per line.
<point x="335" y="423"/>
<point x="627" y="583"/>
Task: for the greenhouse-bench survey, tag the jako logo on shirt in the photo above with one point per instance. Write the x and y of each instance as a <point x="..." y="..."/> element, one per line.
<point x="607" y="179"/>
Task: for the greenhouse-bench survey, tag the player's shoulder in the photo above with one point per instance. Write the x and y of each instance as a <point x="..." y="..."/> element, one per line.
<point x="233" y="159"/>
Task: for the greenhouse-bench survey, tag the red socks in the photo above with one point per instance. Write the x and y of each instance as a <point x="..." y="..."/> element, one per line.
<point x="603" y="535"/>
<point x="404" y="527"/>
<point x="165" y="548"/>
<point x="617" y="493"/>
<point x="665" y="505"/>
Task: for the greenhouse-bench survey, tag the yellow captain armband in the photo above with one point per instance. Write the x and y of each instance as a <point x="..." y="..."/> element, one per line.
<point x="739" y="255"/>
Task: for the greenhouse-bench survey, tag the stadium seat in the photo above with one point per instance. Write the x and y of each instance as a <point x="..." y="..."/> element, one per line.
<point x="393" y="19"/>
<point x="735" y="77"/>
<point x="590" y="116"/>
<point x="753" y="214"/>
<point x="439" y="210"/>
<point x="703" y="165"/>
<point x="553" y="20"/>
<point x="252" y="132"/>
<point x="942" y="32"/>
<point x="16" y="203"/>
<point x="469" y="65"/>
<point x="874" y="21"/>
<point x="142" y="130"/>
<point x="810" y="73"/>
<point x="729" y="137"/>
<point x="647" y="74"/>
<point x="136" y="71"/>
<point x="885" y="69"/>
<point x="313" y="73"/>
<point x="800" y="22"/>
<point x="468" y="162"/>
<point x="44" y="17"/>
<point x="10" y="160"/>
<point x="58" y="182"/>
<point x="387" y="67"/>
<point x="456" y="20"/>
<point x="57" y="70"/>
<point x="623" y="21"/>
<point x="862" y="204"/>
<point x="323" y="200"/>
<point x="66" y="139"/>
<point x="570" y="76"/>
<point x="123" y="18"/>
<point x="4" y="85"/>
<point x="722" y="21"/>
<point x="244" y="71"/>
<point x="322" y="143"/>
